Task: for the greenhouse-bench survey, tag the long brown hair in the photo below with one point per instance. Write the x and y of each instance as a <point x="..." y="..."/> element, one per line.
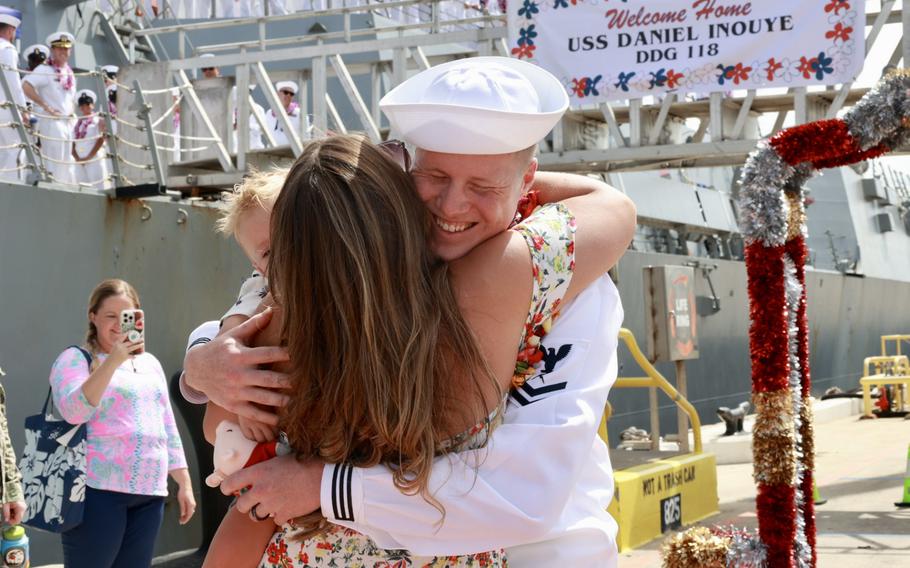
<point x="372" y="326"/>
<point x="104" y="290"/>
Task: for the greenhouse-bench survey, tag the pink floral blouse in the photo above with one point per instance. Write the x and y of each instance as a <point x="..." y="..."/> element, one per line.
<point x="131" y="438"/>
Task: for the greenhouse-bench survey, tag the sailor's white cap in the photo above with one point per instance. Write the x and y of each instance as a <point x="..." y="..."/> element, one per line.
<point x="10" y="20"/>
<point x="289" y="85"/>
<point x="61" y="39"/>
<point x="87" y="93"/>
<point x="479" y="105"/>
<point x="36" y="47"/>
<point x="110" y="69"/>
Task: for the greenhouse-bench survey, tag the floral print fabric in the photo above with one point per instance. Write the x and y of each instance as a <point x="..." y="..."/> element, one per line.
<point x="132" y="438"/>
<point x="340" y="546"/>
<point x="550" y="234"/>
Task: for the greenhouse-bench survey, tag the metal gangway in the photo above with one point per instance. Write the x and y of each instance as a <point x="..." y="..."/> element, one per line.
<point x="347" y="56"/>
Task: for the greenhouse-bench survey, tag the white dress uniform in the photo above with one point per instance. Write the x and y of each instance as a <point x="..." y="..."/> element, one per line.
<point x="281" y="139"/>
<point x="542" y="485"/>
<point x="294" y="117"/>
<point x="86" y="134"/>
<point x="58" y="90"/>
<point x="9" y="135"/>
<point x="255" y="129"/>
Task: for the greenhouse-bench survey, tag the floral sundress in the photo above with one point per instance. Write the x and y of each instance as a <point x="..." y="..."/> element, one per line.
<point x="550" y="234"/>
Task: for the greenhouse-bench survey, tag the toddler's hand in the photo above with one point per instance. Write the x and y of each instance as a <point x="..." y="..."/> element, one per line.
<point x="255" y="430"/>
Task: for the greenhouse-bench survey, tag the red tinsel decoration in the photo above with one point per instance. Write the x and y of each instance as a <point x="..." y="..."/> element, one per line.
<point x="777" y="527"/>
<point x="825" y="143"/>
<point x="767" y="311"/>
<point x="837" y="161"/>
<point x="814" y="141"/>
<point x="808" y="511"/>
<point x="796" y="249"/>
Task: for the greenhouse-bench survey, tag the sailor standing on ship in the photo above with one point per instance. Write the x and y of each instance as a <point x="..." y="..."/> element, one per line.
<point x="8" y="134"/>
<point x="287" y="90"/>
<point x="255" y="130"/>
<point x="52" y="86"/>
<point x="88" y="147"/>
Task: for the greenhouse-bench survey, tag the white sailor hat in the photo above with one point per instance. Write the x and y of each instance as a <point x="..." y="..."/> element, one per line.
<point x="86" y="93"/>
<point x="38" y="47"/>
<point x="10" y="20"/>
<point x="479" y="105"/>
<point x="61" y="39"/>
<point x="110" y="69"/>
<point x="289" y="85"/>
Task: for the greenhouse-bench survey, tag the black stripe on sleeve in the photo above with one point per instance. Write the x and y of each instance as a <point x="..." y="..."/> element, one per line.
<point x="349" y="491"/>
<point x="342" y="493"/>
<point x="199" y="341"/>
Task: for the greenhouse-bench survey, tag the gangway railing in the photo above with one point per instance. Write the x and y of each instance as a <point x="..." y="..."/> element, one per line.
<point x="897" y="339"/>
<point x="634" y="133"/>
<point x="654" y="381"/>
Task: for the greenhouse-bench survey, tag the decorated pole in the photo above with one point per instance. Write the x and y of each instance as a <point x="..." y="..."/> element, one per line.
<point x="773" y="223"/>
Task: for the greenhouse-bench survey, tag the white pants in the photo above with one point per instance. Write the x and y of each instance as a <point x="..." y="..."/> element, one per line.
<point x="9" y="156"/>
<point x="94" y="173"/>
<point x="58" y="151"/>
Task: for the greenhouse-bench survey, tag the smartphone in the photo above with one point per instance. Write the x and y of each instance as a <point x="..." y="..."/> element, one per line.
<point x="132" y="324"/>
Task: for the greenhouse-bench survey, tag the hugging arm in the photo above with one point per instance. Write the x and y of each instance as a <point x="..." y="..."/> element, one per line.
<point x="605" y="217"/>
<point x="226" y="370"/>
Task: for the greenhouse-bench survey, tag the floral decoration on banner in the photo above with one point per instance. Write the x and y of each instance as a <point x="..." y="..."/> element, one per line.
<point x="773" y="223"/>
<point x="651" y="47"/>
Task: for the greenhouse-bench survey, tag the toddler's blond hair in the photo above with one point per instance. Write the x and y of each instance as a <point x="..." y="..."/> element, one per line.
<point x="258" y="189"/>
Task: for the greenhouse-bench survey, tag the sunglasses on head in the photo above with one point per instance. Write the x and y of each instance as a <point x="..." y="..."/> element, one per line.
<point x="398" y="151"/>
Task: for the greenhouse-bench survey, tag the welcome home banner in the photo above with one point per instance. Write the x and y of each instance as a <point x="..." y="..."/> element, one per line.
<point x="619" y="49"/>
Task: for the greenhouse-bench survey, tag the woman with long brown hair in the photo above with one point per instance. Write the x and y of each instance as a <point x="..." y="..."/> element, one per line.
<point x="396" y="357"/>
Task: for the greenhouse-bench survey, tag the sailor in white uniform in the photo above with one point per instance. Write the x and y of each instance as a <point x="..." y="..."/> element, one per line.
<point x="255" y="130"/>
<point x="9" y="136"/>
<point x="541" y="487"/>
<point x="287" y="90"/>
<point x="209" y="72"/>
<point x="52" y="87"/>
<point x="88" y="147"/>
<point x="35" y="55"/>
<point x="110" y="73"/>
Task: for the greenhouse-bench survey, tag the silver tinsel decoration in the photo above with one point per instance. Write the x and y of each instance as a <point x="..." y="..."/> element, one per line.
<point x="878" y="116"/>
<point x="762" y="205"/>
<point x="794" y="292"/>
<point x="746" y="551"/>
<point x="801" y="174"/>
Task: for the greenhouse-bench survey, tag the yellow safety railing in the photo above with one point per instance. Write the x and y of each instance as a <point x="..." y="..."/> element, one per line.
<point x="897" y="339"/>
<point x="656" y="380"/>
<point x="880" y="371"/>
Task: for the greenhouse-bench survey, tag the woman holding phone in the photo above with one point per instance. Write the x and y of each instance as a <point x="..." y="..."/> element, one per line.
<point x="132" y="442"/>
